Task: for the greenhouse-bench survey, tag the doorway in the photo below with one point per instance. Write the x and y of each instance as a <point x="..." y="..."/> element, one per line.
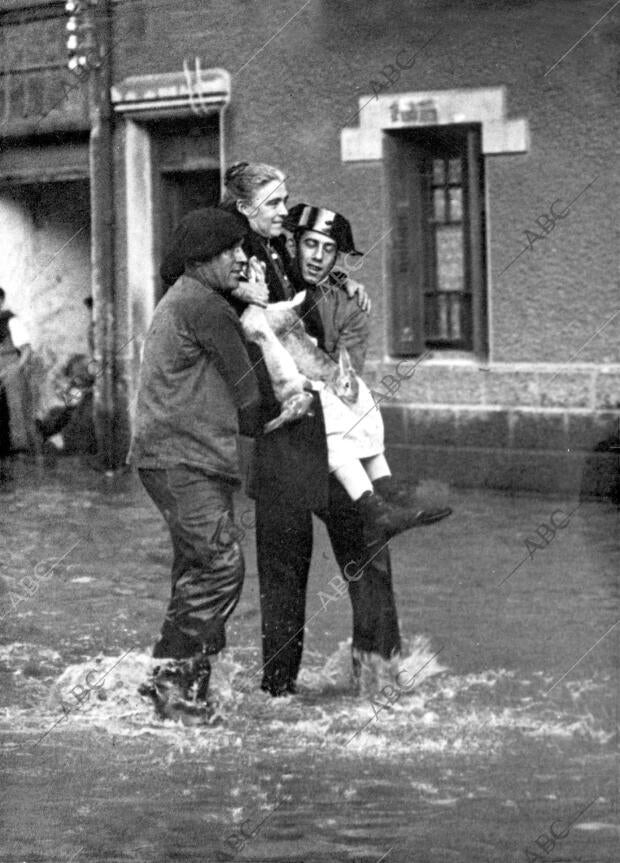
<point x="181" y="192"/>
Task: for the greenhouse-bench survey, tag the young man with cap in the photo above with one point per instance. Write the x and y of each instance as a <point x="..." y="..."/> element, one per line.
<point x="197" y="391"/>
<point x="292" y="482"/>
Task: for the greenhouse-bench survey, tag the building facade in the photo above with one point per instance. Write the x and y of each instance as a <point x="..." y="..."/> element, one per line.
<point x="473" y="145"/>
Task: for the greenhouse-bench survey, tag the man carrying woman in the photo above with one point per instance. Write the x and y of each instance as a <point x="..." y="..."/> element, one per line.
<point x="291" y="476"/>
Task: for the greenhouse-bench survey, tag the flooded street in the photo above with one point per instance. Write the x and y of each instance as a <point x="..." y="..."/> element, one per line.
<point x="505" y="749"/>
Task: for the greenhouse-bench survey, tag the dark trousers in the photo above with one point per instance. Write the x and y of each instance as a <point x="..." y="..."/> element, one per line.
<point x="284" y="548"/>
<point x="208" y="567"/>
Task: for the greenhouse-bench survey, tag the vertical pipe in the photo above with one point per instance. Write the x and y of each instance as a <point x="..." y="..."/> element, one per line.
<point x="102" y="234"/>
<point x="222" y="142"/>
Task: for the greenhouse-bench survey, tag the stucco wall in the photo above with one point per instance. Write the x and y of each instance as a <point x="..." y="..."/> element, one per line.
<point x="293" y="93"/>
<point x="45" y="271"/>
<point x="299" y="75"/>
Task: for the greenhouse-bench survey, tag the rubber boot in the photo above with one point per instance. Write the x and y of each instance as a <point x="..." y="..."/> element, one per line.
<point x="179" y="689"/>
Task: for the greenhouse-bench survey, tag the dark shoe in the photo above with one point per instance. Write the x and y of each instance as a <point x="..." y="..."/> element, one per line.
<point x="394" y="492"/>
<point x="383" y="520"/>
<point x="280" y="690"/>
<point x="406" y="495"/>
<point x="432" y="515"/>
<point x="179" y="688"/>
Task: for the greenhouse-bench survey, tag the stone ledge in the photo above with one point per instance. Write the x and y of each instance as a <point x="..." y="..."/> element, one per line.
<point x="607" y="390"/>
<point x="564" y="388"/>
<point x="497" y="428"/>
<point x="518" y="385"/>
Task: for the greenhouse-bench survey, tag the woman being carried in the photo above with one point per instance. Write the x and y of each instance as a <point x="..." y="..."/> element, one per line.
<point x="291" y="479"/>
<point x="353" y="424"/>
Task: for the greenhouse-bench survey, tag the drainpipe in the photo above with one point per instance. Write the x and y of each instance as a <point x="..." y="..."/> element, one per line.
<point x="102" y="236"/>
<point x="222" y="143"/>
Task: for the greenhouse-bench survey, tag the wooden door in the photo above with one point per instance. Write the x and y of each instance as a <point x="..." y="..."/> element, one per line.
<point x="405" y="244"/>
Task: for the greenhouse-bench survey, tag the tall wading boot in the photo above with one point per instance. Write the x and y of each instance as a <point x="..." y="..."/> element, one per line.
<point x="179" y="689"/>
<point x="383" y="520"/>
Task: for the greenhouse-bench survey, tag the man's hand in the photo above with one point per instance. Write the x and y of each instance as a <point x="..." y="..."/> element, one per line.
<point x="254" y="290"/>
<point x="356" y="289"/>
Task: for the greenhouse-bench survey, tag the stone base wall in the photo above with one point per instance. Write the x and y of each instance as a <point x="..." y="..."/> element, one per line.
<point x="520" y="428"/>
<point x="549" y="452"/>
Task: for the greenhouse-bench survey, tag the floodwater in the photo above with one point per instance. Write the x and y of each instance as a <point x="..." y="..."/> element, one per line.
<point x="505" y="749"/>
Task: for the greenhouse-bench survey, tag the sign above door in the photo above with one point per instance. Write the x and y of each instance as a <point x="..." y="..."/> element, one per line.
<point x="484" y="105"/>
<point x="191" y="91"/>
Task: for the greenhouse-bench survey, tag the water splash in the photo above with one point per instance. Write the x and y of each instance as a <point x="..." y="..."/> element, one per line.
<point x="442" y="713"/>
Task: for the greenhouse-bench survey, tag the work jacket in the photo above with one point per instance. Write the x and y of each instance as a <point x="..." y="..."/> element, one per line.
<point x="197" y="389"/>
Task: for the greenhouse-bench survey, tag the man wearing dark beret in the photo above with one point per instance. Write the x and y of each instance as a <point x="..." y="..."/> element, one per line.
<point x="197" y="391"/>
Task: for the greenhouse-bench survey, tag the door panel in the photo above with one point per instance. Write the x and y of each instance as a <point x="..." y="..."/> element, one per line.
<point x="476" y="244"/>
<point x="406" y="253"/>
<point x="181" y="192"/>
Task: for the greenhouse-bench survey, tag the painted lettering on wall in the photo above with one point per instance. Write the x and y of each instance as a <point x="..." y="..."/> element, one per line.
<point x="420" y="113"/>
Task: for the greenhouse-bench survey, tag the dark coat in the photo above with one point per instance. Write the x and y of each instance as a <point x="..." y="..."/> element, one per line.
<point x="6" y="342"/>
<point x="291" y="462"/>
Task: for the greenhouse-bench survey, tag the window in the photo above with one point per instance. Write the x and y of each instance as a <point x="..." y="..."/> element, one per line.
<point x="438" y="286"/>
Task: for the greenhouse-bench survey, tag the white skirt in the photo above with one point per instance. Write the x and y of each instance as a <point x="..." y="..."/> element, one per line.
<point x="353" y="431"/>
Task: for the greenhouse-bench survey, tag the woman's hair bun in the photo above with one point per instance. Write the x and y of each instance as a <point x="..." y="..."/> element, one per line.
<point x="234" y="169"/>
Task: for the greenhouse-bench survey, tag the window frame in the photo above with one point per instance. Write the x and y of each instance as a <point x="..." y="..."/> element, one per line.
<point x="408" y="157"/>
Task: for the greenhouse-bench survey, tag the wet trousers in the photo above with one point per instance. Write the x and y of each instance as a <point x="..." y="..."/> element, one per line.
<point x="207" y="568"/>
<point x="284" y="550"/>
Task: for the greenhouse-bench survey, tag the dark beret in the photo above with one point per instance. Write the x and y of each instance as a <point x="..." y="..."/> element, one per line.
<point x="200" y="236"/>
